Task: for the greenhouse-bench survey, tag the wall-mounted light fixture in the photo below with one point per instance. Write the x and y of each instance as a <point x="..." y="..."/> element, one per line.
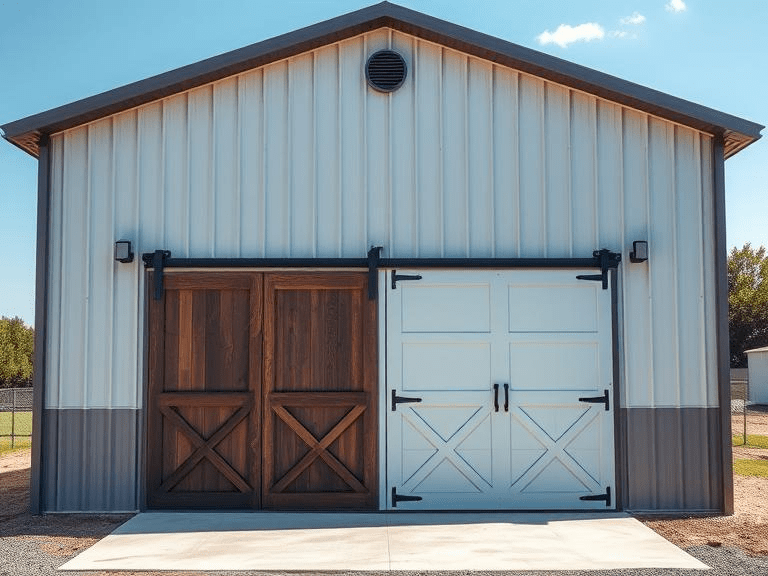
<point x="639" y="251"/>
<point x="123" y="252"/>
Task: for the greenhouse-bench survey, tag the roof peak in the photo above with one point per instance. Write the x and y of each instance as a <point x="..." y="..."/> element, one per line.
<point x="737" y="133"/>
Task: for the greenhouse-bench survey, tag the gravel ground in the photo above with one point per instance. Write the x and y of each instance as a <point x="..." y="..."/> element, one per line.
<point x="25" y="558"/>
<point x="30" y="554"/>
<point x="38" y="545"/>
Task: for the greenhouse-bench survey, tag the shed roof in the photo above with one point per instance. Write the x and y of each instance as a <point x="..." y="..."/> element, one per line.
<point x="764" y="349"/>
<point x="736" y="132"/>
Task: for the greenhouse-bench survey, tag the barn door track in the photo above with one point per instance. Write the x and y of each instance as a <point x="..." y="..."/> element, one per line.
<point x="409" y="541"/>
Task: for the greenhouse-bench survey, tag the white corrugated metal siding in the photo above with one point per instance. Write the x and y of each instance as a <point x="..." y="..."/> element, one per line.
<point x="300" y="159"/>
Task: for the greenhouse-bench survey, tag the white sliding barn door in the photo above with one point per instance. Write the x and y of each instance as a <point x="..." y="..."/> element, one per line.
<point x="510" y="369"/>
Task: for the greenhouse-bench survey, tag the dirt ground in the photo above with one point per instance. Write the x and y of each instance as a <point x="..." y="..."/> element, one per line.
<point x="757" y="421"/>
<point x="57" y="535"/>
<point x="748" y="527"/>
<point x="65" y="535"/>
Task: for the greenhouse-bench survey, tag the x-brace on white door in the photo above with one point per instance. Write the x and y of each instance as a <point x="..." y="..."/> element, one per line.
<point x="499" y="390"/>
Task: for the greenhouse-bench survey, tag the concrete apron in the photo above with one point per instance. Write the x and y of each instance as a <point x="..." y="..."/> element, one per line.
<point x="275" y="541"/>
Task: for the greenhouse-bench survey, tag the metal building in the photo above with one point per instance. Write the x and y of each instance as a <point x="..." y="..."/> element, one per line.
<point x="382" y="262"/>
<point x="757" y="366"/>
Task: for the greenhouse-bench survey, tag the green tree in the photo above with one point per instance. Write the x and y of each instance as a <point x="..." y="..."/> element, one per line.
<point x="16" y="348"/>
<point x="747" y="301"/>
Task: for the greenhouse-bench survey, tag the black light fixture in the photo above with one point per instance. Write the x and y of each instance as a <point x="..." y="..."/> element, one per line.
<point x="639" y="251"/>
<point x="123" y="252"/>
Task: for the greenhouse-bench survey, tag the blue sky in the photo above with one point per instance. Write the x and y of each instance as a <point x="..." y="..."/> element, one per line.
<point x="54" y="52"/>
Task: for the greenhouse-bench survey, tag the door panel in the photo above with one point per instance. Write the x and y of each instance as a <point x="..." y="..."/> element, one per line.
<point x="443" y="452"/>
<point x="558" y="453"/>
<point x="205" y="375"/>
<point x="320" y="371"/>
<point x="546" y="308"/>
<point x="460" y="308"/>
<point x="445" y="365"/>
<point x="218" y="436"/>
<point x="442" y="448"/>
<point x="543" y="338"/>
<point x="556" y="364"/>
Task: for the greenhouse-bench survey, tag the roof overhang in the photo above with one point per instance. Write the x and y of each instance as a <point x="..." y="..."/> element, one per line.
<point x="737" y="133"/>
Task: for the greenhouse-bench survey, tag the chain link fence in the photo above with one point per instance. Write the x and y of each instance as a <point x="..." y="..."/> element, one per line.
<point x="15" y="417"/>
<point x="740" y="403"/>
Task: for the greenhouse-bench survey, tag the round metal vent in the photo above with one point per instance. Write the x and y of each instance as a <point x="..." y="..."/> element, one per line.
<point x="385" y="70"/>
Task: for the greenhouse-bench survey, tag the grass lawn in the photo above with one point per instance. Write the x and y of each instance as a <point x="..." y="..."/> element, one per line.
<point x="22" y="426"/>
<point x="22" y="423"/>
<point x="751" y="467"/>
<point x="747" y="467"/>
<point x="753" y="440"/>
<point x="23" y="443"/>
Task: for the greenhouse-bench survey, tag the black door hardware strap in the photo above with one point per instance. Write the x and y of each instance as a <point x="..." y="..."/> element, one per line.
<point x="598" y="497"/>
<point x="598" y="400"/>
<point x="401" y="400"/>
<point x="399" y="498"/>
<point x="373" y="272"/>
<point x="606" y="260"/>
<point x="157" y="260"/>
<point x="398" y="277"/>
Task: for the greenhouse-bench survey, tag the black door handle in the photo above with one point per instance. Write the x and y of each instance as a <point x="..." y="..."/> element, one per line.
<point x="496" y="397"/>
<point x="506" y="397"/>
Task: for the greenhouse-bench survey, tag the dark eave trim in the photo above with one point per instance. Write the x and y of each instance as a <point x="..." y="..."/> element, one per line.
<point x="738" y="133"/>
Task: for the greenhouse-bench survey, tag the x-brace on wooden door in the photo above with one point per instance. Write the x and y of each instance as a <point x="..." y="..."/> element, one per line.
<point x="320" y="421"/>
<point x="203" y="431"/>
<point x="262" y="391"/>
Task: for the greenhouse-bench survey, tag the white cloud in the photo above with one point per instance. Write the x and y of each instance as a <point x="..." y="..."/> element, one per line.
<point x="675" y="6"/>
<point x="567" y="34"/>
<point x="636" y="18"/>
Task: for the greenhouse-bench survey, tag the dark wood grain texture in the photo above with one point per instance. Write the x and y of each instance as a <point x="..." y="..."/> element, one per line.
<point x="262" y="391"/>
<point x="204" y="391"/>
<point x="320" y="410"/>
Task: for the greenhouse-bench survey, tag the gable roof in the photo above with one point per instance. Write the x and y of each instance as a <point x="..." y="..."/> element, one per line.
<point x="736" y="132"/>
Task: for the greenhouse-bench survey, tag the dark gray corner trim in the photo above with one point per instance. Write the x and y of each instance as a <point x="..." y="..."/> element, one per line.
<point x="723" y="346"/>
<point x="141" y="459"/>
<point x="620" y="454"/>
<point x="143" y="415"/>
<point x="41" y="324"/>
<point x="738" y="133"/>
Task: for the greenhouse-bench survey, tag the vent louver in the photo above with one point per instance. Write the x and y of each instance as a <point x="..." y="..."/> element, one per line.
<point x="386" y="70"/>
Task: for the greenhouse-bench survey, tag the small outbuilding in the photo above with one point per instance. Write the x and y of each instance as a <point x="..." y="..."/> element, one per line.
<point x="382" y="262"/>
<point x="757" y="365"/>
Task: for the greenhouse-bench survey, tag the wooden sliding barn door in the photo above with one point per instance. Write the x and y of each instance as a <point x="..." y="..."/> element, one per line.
<point x="320" y="422"/>
<point x="204" y="391"/>
<point x="219" y="438"/>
